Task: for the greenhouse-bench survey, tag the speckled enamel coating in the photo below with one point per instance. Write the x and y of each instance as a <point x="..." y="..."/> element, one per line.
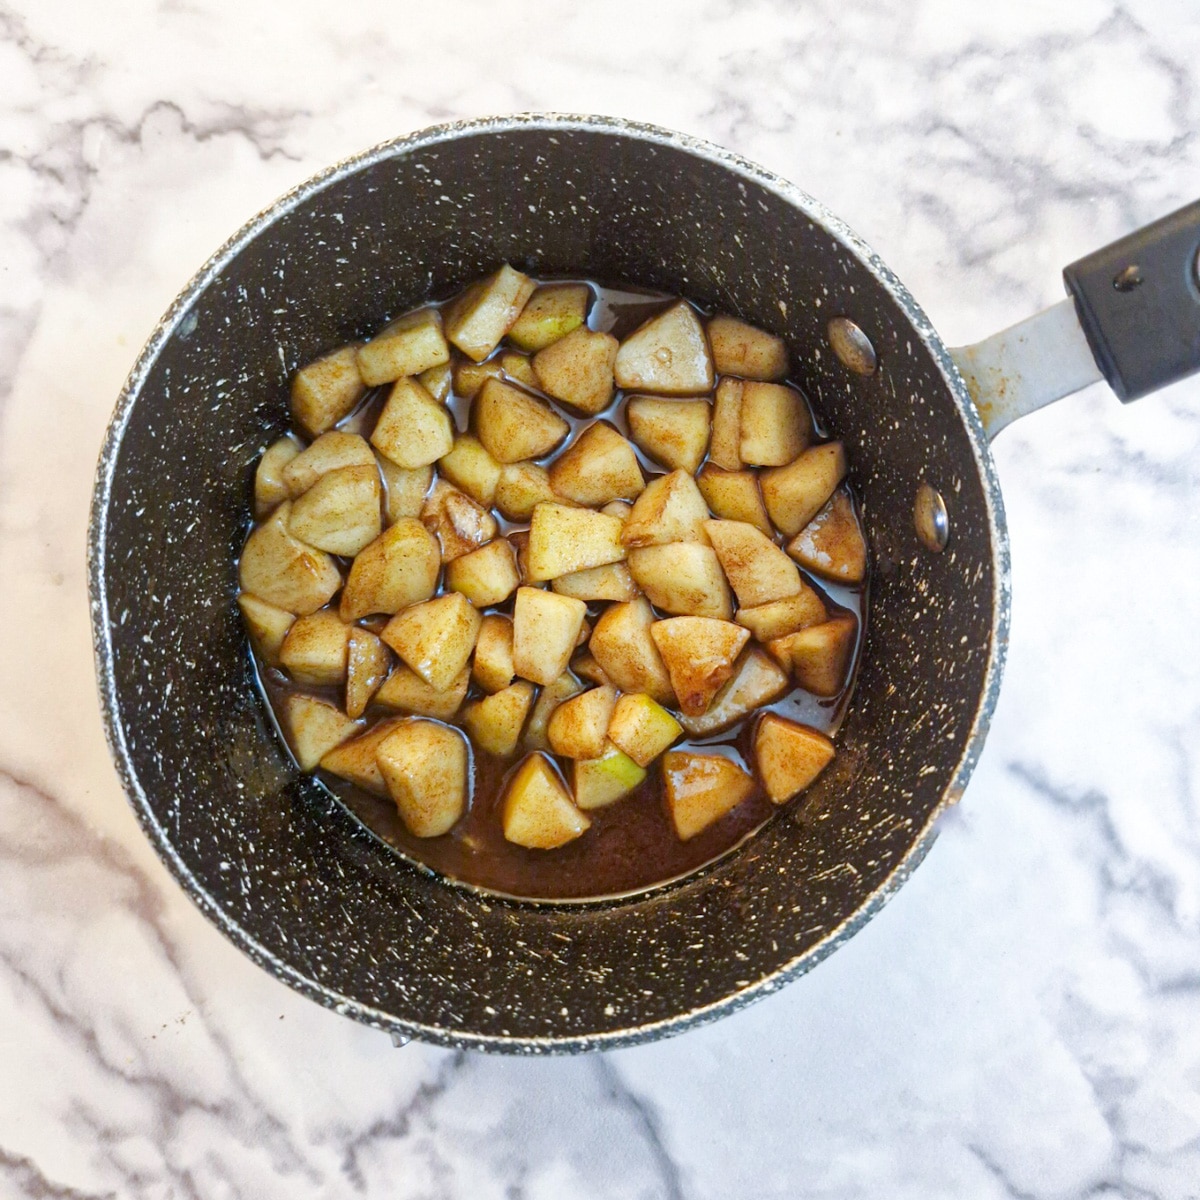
<point x="278" y="864"/>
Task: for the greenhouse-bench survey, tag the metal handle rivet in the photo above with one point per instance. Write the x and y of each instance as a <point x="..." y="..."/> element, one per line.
<point x="1128" y="279"/>
<point x="930" y="519"/>
<point x="852" y="346"/>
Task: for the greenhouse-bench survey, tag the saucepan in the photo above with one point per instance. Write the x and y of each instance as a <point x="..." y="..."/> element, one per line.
<point x="278" y="864"/>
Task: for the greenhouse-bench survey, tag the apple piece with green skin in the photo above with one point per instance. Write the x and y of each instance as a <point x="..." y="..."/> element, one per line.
<point x="314" y="727"/>
<point x="553" y="311"/>
<point x="495" y="722"/>
<point x="326" y="389"/>
<point x="701" y="789"/>
<point x="407" y="346"/>
<point x="486" y="311"/>
<point x="789" y="756"/>
<point x="405" y="691"/>
<point x="270" y="489"/>
<point x="742" y="349"/>
<point x="435" y="638"/>
<point x="667" y="355"/>
<point x="642" y="728"/>
<point x="577" y="370"/>
<point x="672" y="432"/>
<point x="601" y="781"/>
<point x="424" y="766"/>
<point x="400" y="567"/>
<point x="538" y="811"/>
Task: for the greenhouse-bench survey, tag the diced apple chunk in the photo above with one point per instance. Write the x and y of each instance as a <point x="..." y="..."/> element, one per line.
<point x="586" y="667"/>
<point x="734" y="496"/>
<point x="469" y="377"/>
<point x="435" y="638"/>
<point x="355" y="760"/>
<point x="578" y="369"/>
<point x="413" y="429"/>
<point x="683" y="578"/>
<point x="701" y="789"/>
<point x="673" y="432"/>
<point x="545" y="629"/>
<point x="598" y="782"/>
<point x="486" y="311"/>
<point x="471" y="469"/>
<point x="619" y="509"/>
<point x="495" y="722"/>
<point x="789" y="756"/>
<point x="437" y="380"/>
<point x="513" y="424"/>
<point x="315" y="727"/>
<point x="725" y="445"/>
<point x="460" y="524"/>
<point x="550" y="697"/>
<point x="776" y="425"/>
<point x="699" y="654"/>
<point x="622" y="645"/>
<point x="279" y="568"/>
<point x="552" y="312"/>
<point x="757" y="680"/>
<point x="400" y="567"/>
<point x="409" y="345"/>
<point x="671" y="509"/>
<point x="492" y="667"/>
<point x="742" y="349"/>
<point x="610" y="582"/>
<point x="642" y="728"/>
<point x="425" y="768"/>
<point x="599" y="466"/>
<point x="757" y="570"/>
<point x="521" y="488"/>
<point x="328" y="453"/>
<point x="404" y="490"/>
<point x="367" y="665"/>
<point x="538" y="811"/>
<point x="486" y="576"/>
<point x="406" y="691"/>
<point x="668" y="354"/>
<point x="819" y="656"/>
<point x="519" y="368"/>
<point x="270" y="488"/>
<point x="325" y="390"/>
<point x="796" y="493"/>
<point x="832" y="544"/>
<point x="781" y="617"/>
<point x="579" y="727"/>
<point x="267" y="625"/>
<point x="564" y="539"/>
<point x="340" y="512"/>
<point x="315" y="649"/>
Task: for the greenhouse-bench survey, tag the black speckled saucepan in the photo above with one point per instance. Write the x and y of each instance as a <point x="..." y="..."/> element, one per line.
<point x="268" y="854"/>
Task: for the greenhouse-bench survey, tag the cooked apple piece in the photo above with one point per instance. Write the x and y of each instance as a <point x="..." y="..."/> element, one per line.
<point x="789" y="756"/>
<point x="699" y="654"/>
<point x="437" y="380"/>
<point x="435" y="638"/>
<point x="741" y="349"/>
<point x="701" y="789"/>
<point x="599" y="466"/>
<point x="819" y="656"/>
<point x="400" y="567"/>
<point x="579" y="727"/>
<point x="598" y="782"/>
<point x="796" y="493"/>
<point x="425" y="768"/>
<point x="668" y="354"/>
<point x="585" y="632"/>
<point x="832" y="544"/>
<point x="329" y="452"/>
<point x="413" y="429"/>
<point x="495" y="722"/>
<point x="619" y="509"/>
<point x="315" y="649"/>
<point x="552" y="312"/>
<point x="492" y="667"/>
<point x="404" y="491"/>
<point x="578" y="370"/>
<point x="725" y="445"/>
<point x="355" y="760"/>
<point x="622" y="645"/>
<point x="734" y="496"/>
<point x="684" y="578"/>
<point x="538" y="811"/>
<point x="367" y="664"/>
<point x="545" y="629"/>
<point x="519" y="368"/>
<point x="563" y="540"/>
<point x="460" y="524"/>
<point x="586" y="667"/>
<point x="486" y="576"/>
<point x="409" y="345"/>
<point x="550" y="697"/>
<point x="757" y="680"/>
<point x="519" y="541"/>
<point x="673" y="432"/>
<point x="468" y="377"/>
<point x="642" y="728"/>
<point x="406" y="691"/>
<point x="611" y="582"/>
<point x="515" y="425"/>
<point x="781" y="617"/>
<point x="270" y="488"/>
<point x="776" y="425"/>
<point x="486" y="311"/>
<point x="471" y="469"/>
<point x="340" y="512"/>
<point x="326" y="389"/>
<point x="757" y="570"/>
<point x="283" y="571"/>
<point x="315" y="727"/>
<point x="521" y="488"/>
<point x="671" y="509"/>
<point x="267" y="626"/>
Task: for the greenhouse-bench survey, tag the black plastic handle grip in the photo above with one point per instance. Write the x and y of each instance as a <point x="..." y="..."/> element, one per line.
<point x="1139" y="304"/>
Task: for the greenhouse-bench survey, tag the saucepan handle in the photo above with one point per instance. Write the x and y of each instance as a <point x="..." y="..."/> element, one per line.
<point x="1132" y="317"/>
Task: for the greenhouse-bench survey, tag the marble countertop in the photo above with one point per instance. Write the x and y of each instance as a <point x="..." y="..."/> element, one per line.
<point x="1023" y="1020"/>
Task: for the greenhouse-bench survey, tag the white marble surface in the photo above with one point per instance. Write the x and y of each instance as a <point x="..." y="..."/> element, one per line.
<point x="1024" y="1019"/>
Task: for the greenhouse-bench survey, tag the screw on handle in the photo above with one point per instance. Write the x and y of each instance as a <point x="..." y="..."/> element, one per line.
<point x="1138" y="301"/>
